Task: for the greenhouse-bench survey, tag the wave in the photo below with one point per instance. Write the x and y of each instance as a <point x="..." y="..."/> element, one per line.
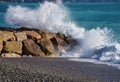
<point x="93" y="44"/>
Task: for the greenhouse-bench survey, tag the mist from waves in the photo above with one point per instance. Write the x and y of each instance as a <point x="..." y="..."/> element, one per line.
<point x="96" y="43"/>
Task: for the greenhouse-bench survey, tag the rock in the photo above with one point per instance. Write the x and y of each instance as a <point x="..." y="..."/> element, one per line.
<point x="13" y="47"/>
<point x="33" y="35"/>
<point x="63" y="42"/>
<point x="10" y="55"/>
<point x="59" y="43"/>
<point x="31" y="48"/>
<point x="27" y="56"/>
<point x="43" y="32"/>
<point x="7" y="36"/>
<point x="62" y="45"/>
<point x="47" y="45"/>
<point x="46" y="33"/>
<point x="33" y="42"/>
<point x="21" y="36"/>
<point x="1" y="46"/>
<point x="72" y="43"/>
<point x="56" y="42"/>
<point x="59" y="35"/>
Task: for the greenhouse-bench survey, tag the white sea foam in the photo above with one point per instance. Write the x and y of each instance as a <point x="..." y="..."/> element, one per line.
<point x="94" y="61"/>
<point x="54" y="17"/>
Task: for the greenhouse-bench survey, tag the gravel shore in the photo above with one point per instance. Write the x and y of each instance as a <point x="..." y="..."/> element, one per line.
<point x="54" y="70"/>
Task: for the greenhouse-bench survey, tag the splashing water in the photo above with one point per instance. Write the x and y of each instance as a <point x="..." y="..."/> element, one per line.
<point x="48" y="16"/>
<point x="54" y="17"/>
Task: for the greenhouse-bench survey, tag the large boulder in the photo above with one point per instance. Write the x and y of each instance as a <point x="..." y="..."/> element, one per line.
<point x="20" y="36"/>
<point x="63" y="43"/>
<point x="47" y="45"/>
<point x="13" y="47"/>
<point x="59" y="42"/>
<point x="7" y="36"/>
<point x="33" y="35"/>
<point x="10" y="55"/>
<point x="31" y="48"/>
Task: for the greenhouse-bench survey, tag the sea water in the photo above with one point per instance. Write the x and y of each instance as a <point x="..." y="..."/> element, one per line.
<point x="94" y="25"/>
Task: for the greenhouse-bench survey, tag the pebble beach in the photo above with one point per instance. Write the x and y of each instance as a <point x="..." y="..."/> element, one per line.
<point x="36" y="69"/>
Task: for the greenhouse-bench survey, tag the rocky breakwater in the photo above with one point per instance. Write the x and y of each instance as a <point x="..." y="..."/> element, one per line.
<point x="25" y="42"/>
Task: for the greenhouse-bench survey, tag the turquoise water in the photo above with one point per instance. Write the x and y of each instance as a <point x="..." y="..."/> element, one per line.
<point x="87" y="15"/>
<point x="92" y="15"/>
<point x="96" y="14"/>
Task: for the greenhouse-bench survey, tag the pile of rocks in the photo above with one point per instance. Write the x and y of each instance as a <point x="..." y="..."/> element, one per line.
<point x="32" y="42"/>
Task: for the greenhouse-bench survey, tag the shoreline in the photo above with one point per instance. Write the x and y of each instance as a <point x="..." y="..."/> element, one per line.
<point x="94" y="61"/>
<point x="55" y="70"/>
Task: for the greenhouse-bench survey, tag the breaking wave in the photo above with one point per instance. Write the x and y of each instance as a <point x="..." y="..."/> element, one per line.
<point x="94" y="44"/>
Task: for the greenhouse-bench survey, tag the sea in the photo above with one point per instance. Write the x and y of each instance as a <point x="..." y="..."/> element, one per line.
<point x="95" y="25"/>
